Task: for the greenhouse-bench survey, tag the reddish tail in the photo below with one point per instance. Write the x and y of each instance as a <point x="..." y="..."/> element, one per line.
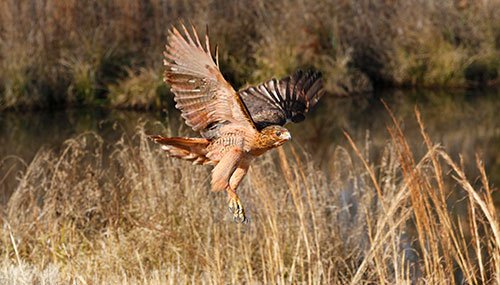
<point x="192" y="149"/>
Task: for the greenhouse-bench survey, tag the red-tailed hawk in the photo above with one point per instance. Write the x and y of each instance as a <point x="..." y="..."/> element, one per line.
<point x="235" y="126"/>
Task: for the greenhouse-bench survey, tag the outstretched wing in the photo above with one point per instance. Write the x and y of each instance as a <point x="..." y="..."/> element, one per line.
<point x="277" y="102"/>
<point x="201" y="92"/>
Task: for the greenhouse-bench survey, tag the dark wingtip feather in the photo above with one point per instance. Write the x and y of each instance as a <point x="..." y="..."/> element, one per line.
<point x="289" y="99"/>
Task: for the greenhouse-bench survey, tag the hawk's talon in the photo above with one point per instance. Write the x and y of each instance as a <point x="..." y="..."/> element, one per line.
<point x="237" y="210"/>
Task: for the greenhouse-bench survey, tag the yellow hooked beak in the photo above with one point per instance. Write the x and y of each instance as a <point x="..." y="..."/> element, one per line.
<point x="286" y="136"/>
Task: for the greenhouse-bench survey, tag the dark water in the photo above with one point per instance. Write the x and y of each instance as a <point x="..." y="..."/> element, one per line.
<point x="464" y="122"/>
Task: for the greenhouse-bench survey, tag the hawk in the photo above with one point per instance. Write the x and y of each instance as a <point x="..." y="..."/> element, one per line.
<point x="236" y="127"/>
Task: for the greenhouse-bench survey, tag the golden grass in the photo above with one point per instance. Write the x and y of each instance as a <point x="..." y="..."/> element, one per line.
<point x="129" y="215"/>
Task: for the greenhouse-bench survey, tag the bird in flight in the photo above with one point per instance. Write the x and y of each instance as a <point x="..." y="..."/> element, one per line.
<point x="236" y="127"/>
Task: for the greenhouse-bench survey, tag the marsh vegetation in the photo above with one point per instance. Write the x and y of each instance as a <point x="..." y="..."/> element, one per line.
<point x="92" y="212"/>
<point x="60" y="53"/>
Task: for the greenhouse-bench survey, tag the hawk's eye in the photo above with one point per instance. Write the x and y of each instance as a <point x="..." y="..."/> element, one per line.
<point x="277" y="133"/>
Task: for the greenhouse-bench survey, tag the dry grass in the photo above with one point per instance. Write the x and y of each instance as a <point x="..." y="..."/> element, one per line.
<point x="70" y="52"/>
<point x="88" y="215"/>
<point x="144" y="90"/>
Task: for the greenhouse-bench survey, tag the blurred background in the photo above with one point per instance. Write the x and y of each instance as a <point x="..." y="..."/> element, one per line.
<point x="70" y="53"/>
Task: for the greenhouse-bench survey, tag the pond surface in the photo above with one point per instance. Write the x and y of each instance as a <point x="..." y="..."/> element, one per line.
<point x="464" y="122"/>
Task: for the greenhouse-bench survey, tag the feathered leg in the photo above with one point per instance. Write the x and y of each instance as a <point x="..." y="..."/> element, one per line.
<point x="227" y="175"/>
<point x="235" y="205"/>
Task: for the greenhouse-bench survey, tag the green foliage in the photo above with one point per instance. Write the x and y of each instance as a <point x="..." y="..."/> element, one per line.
<point x="83" y="82"/>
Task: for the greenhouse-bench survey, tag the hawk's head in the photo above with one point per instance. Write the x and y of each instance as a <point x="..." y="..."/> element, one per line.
<point x="274" y="136"/>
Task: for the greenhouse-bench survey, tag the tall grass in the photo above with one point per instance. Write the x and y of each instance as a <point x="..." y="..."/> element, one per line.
<point x="131" y="216"/>
<point x="71" y="52"/>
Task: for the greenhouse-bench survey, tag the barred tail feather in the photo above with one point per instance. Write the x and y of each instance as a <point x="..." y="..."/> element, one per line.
<point x="191" y="149"/>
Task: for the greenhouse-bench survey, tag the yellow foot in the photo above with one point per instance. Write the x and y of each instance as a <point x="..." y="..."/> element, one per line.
<point x="237" y="210"/>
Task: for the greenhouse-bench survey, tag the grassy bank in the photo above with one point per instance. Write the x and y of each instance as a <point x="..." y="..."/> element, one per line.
<point x="109" y="52"/>
<point x="128" y="215"/>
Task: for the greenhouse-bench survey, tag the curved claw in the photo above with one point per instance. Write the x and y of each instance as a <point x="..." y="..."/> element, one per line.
<point x="237" y="210"/>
